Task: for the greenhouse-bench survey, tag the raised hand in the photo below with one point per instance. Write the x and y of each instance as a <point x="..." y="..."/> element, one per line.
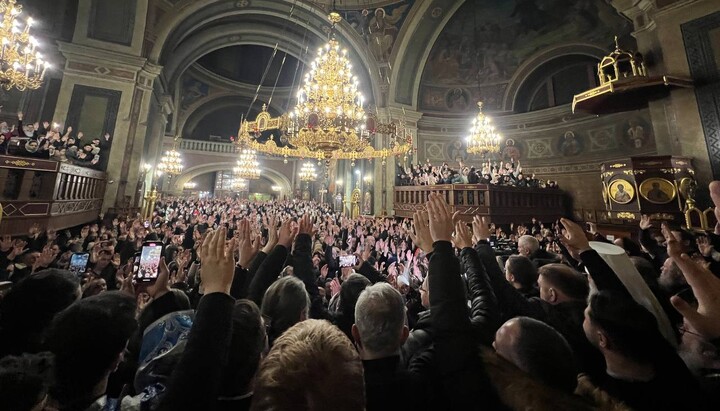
<point x="480" y="228"/>
<point x="420" y="235"/>
<point x="706" y="249"/>
<point x="645" y="222"/>
<point x="324" y="271"/>
<point x="306" y="226"/>
<point x="287" y="234"/>
<point x="218" y="264"/>
<point x="334" y="287"/>
<point x="674" y="248"/>
<point x="441" y="220"/>
<point x="161" y="285"/>
<point x="574" y="236"/>
<point x="462" y="237"/>
<point x="705" y="319"/>
<point x="248" y="248"/>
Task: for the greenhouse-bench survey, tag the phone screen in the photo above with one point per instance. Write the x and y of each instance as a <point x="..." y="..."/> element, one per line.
<point x="78" y="262"/>
<point x="493" y="240"/>
<point x="149" y="262"/>
<point x="347" y="260"/>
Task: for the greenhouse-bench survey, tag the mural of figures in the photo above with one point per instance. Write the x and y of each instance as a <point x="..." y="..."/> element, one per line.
<point x="485" y="42"/>
<point x="511" y="152"/>
<point x="380" y="27"/>
<point x="457" y="100"/>
<point x="621" y="191"/>
<point x="570" y="145"/>
<point x="192" y="91"/>
<point x="457" y="151"/>
<point x="635" y="134"/>
<point x="338" y="203"/>
<point x="658" y="190"/>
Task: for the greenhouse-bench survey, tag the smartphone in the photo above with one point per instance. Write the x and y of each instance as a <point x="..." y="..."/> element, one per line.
<point x="149" y="262"/>
<point x="348" y="260"/>
<point x="78" y="262"/>
<point x="493" y="240"/>
<point x="136" y="265"/>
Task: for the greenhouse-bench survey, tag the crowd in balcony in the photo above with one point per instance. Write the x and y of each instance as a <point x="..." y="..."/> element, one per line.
<point x="289" y="305"/>
<point x="508" y="174"/>
<point x="44" y="140"/>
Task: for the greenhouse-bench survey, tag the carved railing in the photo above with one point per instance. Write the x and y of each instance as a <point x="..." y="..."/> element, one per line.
<point x="208" y="146"/>
<point x="503" y="205"/>
<point x="52" y="194"/>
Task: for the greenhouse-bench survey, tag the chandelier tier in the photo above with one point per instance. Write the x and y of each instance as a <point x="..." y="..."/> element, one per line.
<point x="483" y="137"/>
<point x="308" y="172"/>
<point x="329" y="120"/>
<point x="247" y="166"/>
<point x="171" y="163"/>
<point x="21" y="65"/>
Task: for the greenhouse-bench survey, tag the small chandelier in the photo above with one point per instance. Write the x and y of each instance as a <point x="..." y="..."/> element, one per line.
<point x="308" y="173"/>
<point x="483" y="137"/>
<point x="239" y="184"/>
<point x="247" y="167"/>
<point x="21" y="66"/>
<point x="171" y="163"/>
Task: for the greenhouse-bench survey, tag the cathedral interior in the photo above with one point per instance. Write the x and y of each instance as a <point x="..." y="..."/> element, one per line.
<point x="153" y="76"/>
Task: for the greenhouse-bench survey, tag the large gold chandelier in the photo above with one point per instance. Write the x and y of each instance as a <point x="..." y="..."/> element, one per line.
<point x="21" y="66"/>
<point x="247" y="166"/>
<point x="239" y="184"/>
<point x="171" y="163"/>
<point x="308" y="172"/>
<point x="329" y="121"/>
<point x="483" y="137"/>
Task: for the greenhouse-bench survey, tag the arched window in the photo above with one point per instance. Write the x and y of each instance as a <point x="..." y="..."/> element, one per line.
<point x="556" y="82"/>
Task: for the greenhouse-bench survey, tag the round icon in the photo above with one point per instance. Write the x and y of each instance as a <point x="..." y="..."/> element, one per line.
<point x="658" y="190"/>
<point x="621" y="191"/>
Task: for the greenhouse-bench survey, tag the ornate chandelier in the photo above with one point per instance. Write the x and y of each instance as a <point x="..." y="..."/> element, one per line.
<point x="171" y="163"/>
<point x="247" y="167"/>
<point x="329" y="121"/>
<point x="21" y="66"/>
<point x="307" y="172"/>
<point x="483" y="137"/>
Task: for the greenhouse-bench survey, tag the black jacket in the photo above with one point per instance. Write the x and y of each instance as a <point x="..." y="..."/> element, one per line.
<point x="419" y="340"/>
<point x="462" y="375"/>
<point x="484" y="310"/>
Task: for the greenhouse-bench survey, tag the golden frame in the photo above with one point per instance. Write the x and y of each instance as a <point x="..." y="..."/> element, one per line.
<point x="628" y="188"/>
<point x="668" y="190"/>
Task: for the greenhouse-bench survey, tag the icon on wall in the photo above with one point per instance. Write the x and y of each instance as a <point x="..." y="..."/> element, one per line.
<point x="621" y="191"/>
<point x="658" y="190"/>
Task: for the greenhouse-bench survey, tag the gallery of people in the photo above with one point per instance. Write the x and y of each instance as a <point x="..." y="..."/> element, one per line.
<point x="355" y="205"/>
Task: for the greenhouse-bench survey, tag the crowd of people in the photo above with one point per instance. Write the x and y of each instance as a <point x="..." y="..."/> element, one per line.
<point x="261" y="305"/>
<point x="507" y="174"/>
<point x="47" y="141"/>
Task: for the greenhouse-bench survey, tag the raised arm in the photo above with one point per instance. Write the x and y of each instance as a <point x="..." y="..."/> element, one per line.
<point x="269" y="270"/>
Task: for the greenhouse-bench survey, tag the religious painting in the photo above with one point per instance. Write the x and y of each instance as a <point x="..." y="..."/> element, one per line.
<point x="457" y="150"/>
<point x="569" y="144"/>
<point x="380" y="27"/>
<point x="367" y="203"/>
<point x="658" y="190"/>
<point x="638" y="133"/>
<point x="192" y="91"/>
<point x="485" y="42"/>
<point x="621" y="191"/>
<point x="457" y="99"/>
<point x="511" y="151"/>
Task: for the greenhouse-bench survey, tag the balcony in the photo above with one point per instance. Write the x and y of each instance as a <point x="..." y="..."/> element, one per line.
<point x="204" y="146"/>
<point x="52" y="194"/>
<point x="504" y="205"/>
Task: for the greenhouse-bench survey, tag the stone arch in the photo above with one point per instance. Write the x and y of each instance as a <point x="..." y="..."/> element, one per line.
<point x="190" y="17"/>
<point x="214" y="102"/>
<point x="539" y="59"/>
<point x="414" y="44"/>
<point x="275" y="177"/>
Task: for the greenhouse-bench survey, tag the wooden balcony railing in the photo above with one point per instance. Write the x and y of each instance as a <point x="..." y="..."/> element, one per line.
<point x="51" y="194"/>
<point x="503" y="205"/>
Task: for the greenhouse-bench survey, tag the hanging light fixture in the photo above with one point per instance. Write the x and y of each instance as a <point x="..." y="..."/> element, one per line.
<point x="21" y="66"/>
<point x="171" y="163"/>
<point x="247" y="166"/>
<point x="329" y="120"/>
<point x="483" y="137"/>
<point x="308" y="172"/>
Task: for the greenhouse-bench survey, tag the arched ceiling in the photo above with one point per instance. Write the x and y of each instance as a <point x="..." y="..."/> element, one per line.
<point x="249" y="64"/>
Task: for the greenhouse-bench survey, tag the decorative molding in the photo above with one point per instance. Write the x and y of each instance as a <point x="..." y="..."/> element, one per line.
<point x="74" y="206"/>
<point x="81" y="171"/>
<point x="78" y="99"/>
<point x="94" y="69"/>
<point x="122" y="13"/>
<point x="26" y="163"/>
<point x="705" y="71"/>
